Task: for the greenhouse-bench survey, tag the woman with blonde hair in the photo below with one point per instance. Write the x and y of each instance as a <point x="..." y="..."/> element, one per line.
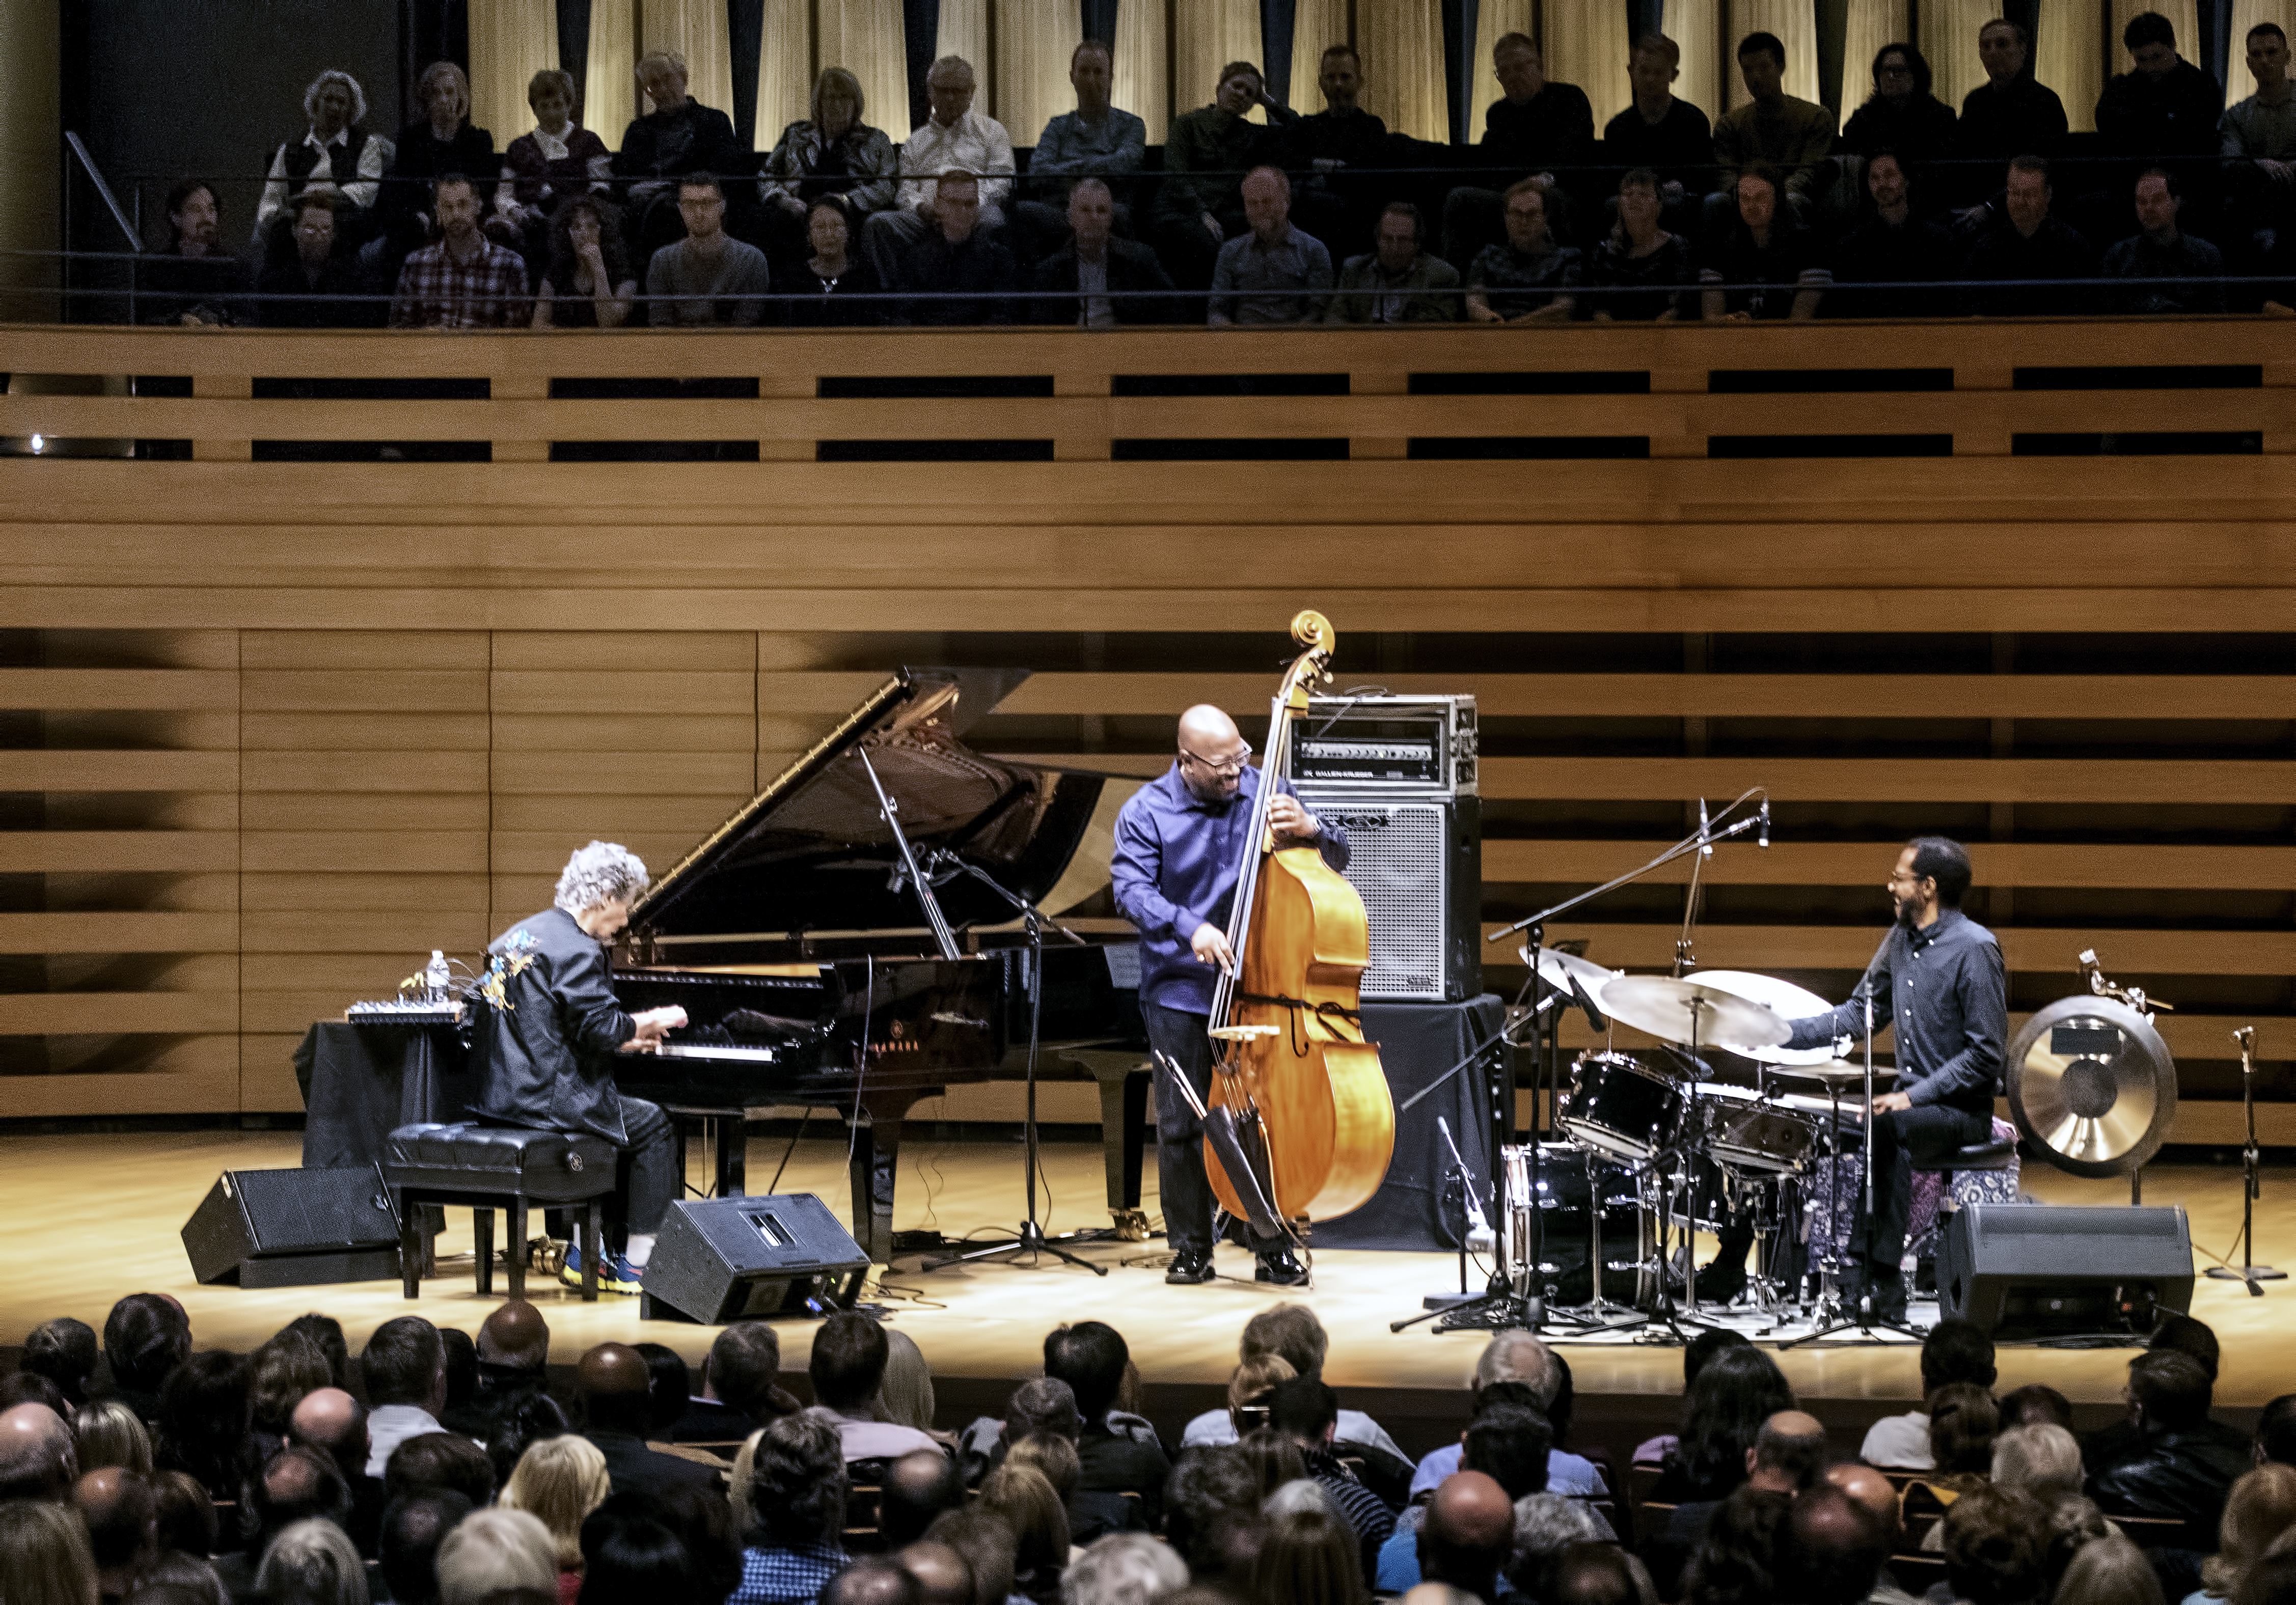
<point x="108" y="1432"/>
<point x="2258" y="1511"/>
<point x="559" y="1481"/>
<point x="905" y="1397"/>
<point x="288" y="1367"/>
<point x="43" y="1555"/>
<point x="1031" y="1506"/>
<point x="1248" y="1387"/>
<point x="1307" y="1558"/>
<point x="2109" y="1571"/>
<point x="832" y="151"/>
<point x="439" y="142"/>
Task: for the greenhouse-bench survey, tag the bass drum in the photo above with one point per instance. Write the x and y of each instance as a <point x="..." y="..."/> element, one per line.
<point x="1629" y="1240"/>
<point x="1618" y="1105"/>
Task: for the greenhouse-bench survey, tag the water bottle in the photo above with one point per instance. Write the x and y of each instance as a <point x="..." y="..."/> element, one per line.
<point x="435" y="978"/>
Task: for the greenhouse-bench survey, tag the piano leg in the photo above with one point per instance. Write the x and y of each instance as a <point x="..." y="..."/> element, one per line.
<point x="1123" y="1082"/>
<point x="876" y="1166"/>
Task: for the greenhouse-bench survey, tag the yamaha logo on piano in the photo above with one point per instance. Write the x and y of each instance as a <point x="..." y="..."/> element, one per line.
<point x="898" y="1042"/>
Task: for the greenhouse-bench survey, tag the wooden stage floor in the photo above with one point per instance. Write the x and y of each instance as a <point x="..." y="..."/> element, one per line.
<point x="92" y="1218"/>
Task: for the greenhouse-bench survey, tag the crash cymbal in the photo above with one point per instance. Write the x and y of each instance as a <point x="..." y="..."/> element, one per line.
<point x="2092" y="1085"/>
<point x="1556" y="968"/>
<point x="1688" y="1012"/>
<point x="1834" y="1070"/>
<point x="1789" y="1002"/>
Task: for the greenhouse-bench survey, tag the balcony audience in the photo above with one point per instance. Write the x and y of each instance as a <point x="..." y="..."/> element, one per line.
<point x="193" y="283"/>
<point x="2185" y="273"/>
<point x="1641" y="271"/>
<point x="1790" y="138"/>
<point x="316" y="287"/>
<point x="1396" y="281"/>
<point x="958" y="273"/>
<point x="676" y="138"/>
<point x="2010" y="114"/>
<point x="1534" y="127"/>
<point x="1200" y="202"/>
<point x="1659" y="130"/>
<point x="832" y="153"/>
<point x="440" y="141"/>
<point x="1530" y="276"/>
<point x="1097" y="140"/>
<point x="463" y="282"/>
<point x="550" y="164"/>
<point x="1274" y="273"/>
<point x="1903" y="118"/>
<point x="1097" y="281"/>
<point x="2163" y="109"/>
<point x="1337" y="153"/>
<point x="1900" y="253"/>
<point x="709" y="277"/>
<point x="589" y="283"/>
<point x="953" y="138"/>
<point x="1764" y="265"/>
<point x="835" y="286"/>
<point x="334" y="152"/>
<point x="2020" y="265"/>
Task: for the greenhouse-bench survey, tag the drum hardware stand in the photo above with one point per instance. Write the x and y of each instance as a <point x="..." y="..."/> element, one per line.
<point x="2254" y="1275"/>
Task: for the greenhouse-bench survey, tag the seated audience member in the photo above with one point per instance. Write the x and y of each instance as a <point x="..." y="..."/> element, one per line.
<point x="1732" y="1557"/>
<point x="1118" y="1451"/>
<point x="1659" y="131"/>
<point x="206" y="1415"/>
<point x="2261" y="1510"/>
<point x="1902" y="117"/>
<point x="871" y="1580"/>
<point x="1590" y="1573"/>
<point x="1764" y="265"/>
<point x="589" y="283"/>
<point x="311" y="1563"/>
<point x="1292" y="1334"/>
<point x="1878" y="1495"/>
<point x="2256" y="139"/>
<point x="2161" y="250"/>
<point x="335" y="153"/>
<point x="461" y="1411"/>
<point x="918" y="1489"/>
<point x="953" y="138"/>
<point x="615" y="1389"/>
<point x="414" y="1527"/>
<point x="1787" y="1459"/>
<point x="1097" y="140"/>
<point x="187" y="1515"/>
<point x="327" y="1333"/>
<point x="404" y="1365"/>
<point x="1105" y="281"/>
<point x="106" y="1433"/>
<point x="123" y="1527"/>
<point x="1123" y="1569"/>
<point x="30" y="1388"/>
<point x="1528" y="278"/>
<point x="1398" y="282"/>
<point x="1089" y="1512"/>
<point x="1200" y="202"/>
<point x="296" y="1485"/>
<point x="1213" y="1496"/>
<point x="551" y="164"/>
<point x="2164" y="107"/>
<point x="330" y="1421"/>
<point x="2274" y="1442"/>
<point x="1308" y="1412"/>
<point x="741" y="1387"/>
<point x="1546" y="1526"/>
<point x="2043" y="1458"/>
<point x="2109" y="1571"/>
<point x="957" y="275"/>
<point x="1025" y="1499"/>
<point x="2009" y="115"/>
<point x="559" y="1481"/>
<point x="494" y="1558"/>
<point x="1512" y="1444"/>
<point x="64" y="1352"/>
<point x="1641" y="272"/>
<point x="1963" y="1426"/>
<point x="2036" y="1405"/>
<point x="1534" y="127"/>
<point x="1468" y="1535"/>
<point x="1274" y="273"/>
<point x="466" y="281"/>
<point x="439" y="142"/>
<point x="1276" y="1459"/>
<point x="2026" y="243"/>
<point x="1790" y="138"/>
<point x="847" y="1364"/>
<point x="831" y="154"/>
<point x="632" y="1553"/>
<point x="1307" y="1558"/>
<point x="904" y="1395"/>
<point x="193" y="283"/>
<point x="43" y="1554"/>
<point x="1335" y="151"/>
<point x="2188" y="1336"/>
<point x="440" y="1459"/>
<point x="709" y="277"/>
<point x="315" y="288"/>
<point x="1831" y="1549"/>
<point x="1892" y="248"/>
<point x="1516" y="1368"/>
<point x="37" y="1460"/>
<point x="1737" y="1390"/>
<point x="840" y="289"/>
<point x="1695" y="1353"/>
<point x="676" y="137"/>
<point x="2174" y="1462"/>
<point x="798" y="1494"/>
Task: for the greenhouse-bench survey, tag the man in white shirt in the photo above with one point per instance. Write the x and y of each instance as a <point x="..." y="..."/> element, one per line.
<point x="405" y="1364"/>
<point x="1955" y="1351"/>
<point x="954" y="139"/>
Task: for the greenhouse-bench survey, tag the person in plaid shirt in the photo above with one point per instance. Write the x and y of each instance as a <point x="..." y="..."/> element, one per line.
<point x="466" y="281"/>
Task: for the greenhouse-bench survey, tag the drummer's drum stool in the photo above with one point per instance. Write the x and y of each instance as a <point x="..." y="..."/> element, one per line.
<point x="485" y="1168"/>
<point x="1977" y="1173"/>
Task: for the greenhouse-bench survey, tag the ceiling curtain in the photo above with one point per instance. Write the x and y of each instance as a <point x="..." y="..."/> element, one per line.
<point x="510" y="41"/>
<point x="1949" y="38"/>
<point x="1869" y="25"/>
<point x="1401" y="42"/>
<point x="785" y="68"/>
<point x="2246" y="14"/>
<point x="1315" y="24"/>
<point x="867" y="39"/>
<point x="1696" y="26"/>
<point x="1795" y="23"/>
<point x="610" y="90"/>
<point x="1586" y="44"/>
<point x="1143" y="64"/>
<point x="2069" y="56"/>
<point x="1207" y="34"/>
<point x="1034" y="41"/>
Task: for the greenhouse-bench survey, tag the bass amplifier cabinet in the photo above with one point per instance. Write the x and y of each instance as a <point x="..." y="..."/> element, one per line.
<point x="294" y="1228"/>
<point x="743" y="1258"/>
<point x="1406" y="746"/>
<point x="2040" y="1270"/>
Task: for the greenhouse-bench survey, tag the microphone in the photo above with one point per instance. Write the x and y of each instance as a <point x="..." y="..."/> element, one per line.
<point x="1479" y="1239"/>
<point x="1762" y="831"/>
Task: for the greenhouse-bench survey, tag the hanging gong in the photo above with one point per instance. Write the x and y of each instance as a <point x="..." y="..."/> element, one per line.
<point x="2092" y="1086"/>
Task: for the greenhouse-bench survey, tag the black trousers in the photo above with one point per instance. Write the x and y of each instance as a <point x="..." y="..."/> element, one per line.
<point x="646" y="1179"/>
<point x="1186" y="1189"/>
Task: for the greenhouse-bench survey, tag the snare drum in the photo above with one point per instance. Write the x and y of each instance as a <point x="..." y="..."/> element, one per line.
<point x="1618" y="1105"/>
<point x="1741" y="1130"/>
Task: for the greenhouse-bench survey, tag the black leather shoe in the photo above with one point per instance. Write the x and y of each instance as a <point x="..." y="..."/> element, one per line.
<point x="1280" y="1269"/>
<point x="1190" y="1267"/>
<point x="1886" y="1290"/>
<point x="1721" y="1284"/>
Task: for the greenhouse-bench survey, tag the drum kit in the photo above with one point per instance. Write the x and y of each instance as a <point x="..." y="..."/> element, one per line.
<point x="1668" y="1148"/>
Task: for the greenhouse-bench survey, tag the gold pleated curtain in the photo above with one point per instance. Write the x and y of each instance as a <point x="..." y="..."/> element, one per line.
<point x="610" y="90"/>
<point x="2069" y="55"/>
<point x="864" y="37"/>
<point x="1034" y="41"/>
<point x="1143" y="67"/>
<point x="1401" y="42"/>
<point x="786" y="68"/>
<point x="1206" y="36"/>
<point x="1493" y="20"/>
<point x="2246" y="14"/>
<point x="1870" y="25"/>
<point x="1315" y="25"/>
<point x="510" y="41"/>
<point x="1795" y="23"/>
<point x="1949" y="31"/>
<point x="1586" y="42"/>
<point x="1696" y="26"/>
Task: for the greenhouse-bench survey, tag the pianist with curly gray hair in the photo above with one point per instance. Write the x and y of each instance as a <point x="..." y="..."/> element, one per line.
<point x="549" y="1030"/>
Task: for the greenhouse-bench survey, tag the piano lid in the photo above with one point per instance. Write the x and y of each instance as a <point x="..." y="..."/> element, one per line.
<point x="811" y="852"/>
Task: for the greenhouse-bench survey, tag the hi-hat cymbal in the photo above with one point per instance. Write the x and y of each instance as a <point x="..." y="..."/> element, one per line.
<point x="1556" y="968"/>
<point x="1686" y="1012"/>
<point x="1834" y="1069"/>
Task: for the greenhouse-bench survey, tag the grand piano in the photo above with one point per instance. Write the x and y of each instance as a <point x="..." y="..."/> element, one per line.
<point x="812" y="972"/>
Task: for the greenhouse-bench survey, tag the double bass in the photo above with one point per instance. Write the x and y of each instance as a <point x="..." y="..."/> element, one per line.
<point x="1302" y="1125"/>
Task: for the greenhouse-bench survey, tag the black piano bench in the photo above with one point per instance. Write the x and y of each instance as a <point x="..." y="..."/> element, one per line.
<point x="490" y="1168"/>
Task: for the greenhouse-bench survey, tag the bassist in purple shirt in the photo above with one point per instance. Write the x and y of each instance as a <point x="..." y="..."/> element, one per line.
<point x="1180" y="843"/>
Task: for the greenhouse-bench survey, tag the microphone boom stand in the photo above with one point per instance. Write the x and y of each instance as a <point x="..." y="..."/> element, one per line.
<point x="2250" y="1157"/>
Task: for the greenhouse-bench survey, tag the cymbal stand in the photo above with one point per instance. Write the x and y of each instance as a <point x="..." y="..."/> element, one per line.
<point x="1599" y="1314"/>
<point x="2254" y="1275"/>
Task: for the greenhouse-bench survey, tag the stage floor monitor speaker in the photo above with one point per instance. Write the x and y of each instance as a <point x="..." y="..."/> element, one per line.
<point x="2042" y="1270"/>
<point x="743" y="1258"/>
<point x="294" y="1228"/>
